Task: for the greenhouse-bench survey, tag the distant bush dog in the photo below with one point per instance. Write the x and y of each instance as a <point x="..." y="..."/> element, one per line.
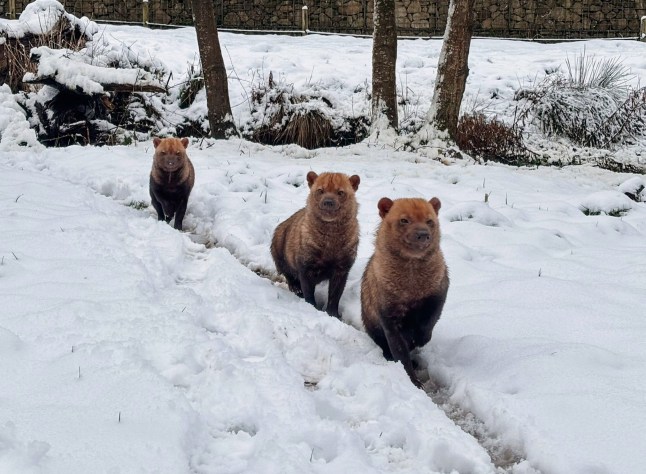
<point x="320" y="241"/>
<point x="171" y="179"/>
<point x="404" y="286"/>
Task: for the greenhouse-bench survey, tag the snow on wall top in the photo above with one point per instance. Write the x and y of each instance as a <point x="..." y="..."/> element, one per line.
<point x="40" y="17"/>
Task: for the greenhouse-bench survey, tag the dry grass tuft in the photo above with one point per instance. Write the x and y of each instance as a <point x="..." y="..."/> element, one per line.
<point x="282" y="116"/>
<point x="491" y="139"/>
<point x="189" y="89"/>
<point x="309" y="129"/>
<point x="17" y="50"/>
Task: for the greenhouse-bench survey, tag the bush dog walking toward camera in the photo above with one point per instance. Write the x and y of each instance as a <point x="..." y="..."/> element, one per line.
<point x="320" y="241"/>
<point x="404" y="286"/>
<point x="171" y="179"/>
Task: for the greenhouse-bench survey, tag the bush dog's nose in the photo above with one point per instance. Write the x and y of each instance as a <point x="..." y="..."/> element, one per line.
<point x="422" y="235"/>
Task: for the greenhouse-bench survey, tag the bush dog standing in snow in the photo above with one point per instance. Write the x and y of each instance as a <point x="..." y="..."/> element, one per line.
<point x="319" y="242"/>
<point x="404" y="286"/>
<point x="171" y="179"/>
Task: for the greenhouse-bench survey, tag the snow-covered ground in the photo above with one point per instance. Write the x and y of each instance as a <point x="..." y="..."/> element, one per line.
<point x="126" y="346"/>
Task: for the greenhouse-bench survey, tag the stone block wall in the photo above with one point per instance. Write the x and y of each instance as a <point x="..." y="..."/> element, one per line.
<point x="559" y="18"/>
<point x="499" y="18"/>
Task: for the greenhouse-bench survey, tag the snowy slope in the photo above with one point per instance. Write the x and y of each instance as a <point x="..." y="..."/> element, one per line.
<point x="128" y="347"/>
<point x="541" y="337"/>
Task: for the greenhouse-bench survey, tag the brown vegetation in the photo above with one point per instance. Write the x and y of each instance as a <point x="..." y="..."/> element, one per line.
<point x="15" y="55"/>
<point x="491" y="139"/>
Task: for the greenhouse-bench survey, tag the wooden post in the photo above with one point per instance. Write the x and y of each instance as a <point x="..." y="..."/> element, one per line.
<point x="305" y="19"/>
<point x="642" y="29"/>
<point x="12" y="9"/>
<point x="144" y="11"/>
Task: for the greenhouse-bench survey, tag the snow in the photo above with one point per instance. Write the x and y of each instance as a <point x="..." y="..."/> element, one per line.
<point x="68" y="69"/>
<point x="607" y="202"/>
<point x="476" y="211"/>
<point x="634" y="185"/>
<point x="126" y="346"/>
<point x="41" y="16"/>
<point x="15" y="131"/>
<point x="541" y="337"/>
<point x="202" y="360"/>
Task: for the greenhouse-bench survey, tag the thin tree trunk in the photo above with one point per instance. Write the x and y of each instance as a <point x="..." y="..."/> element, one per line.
<point x="384" y="59"/>
<point x="452" y="68"/>
<point x="213" y="69"/>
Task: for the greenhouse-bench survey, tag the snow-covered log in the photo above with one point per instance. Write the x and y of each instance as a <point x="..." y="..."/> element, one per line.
<point x="64" y="70"/>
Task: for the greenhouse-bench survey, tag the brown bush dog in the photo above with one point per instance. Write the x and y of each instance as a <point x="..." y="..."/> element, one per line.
<point x="319" y="242"/>
<point x="405" y="283"/>
<point x="171" y="179"/>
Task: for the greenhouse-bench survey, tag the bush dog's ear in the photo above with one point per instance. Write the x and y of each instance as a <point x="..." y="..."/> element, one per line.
<point x="185" y="142"/>
<point x="156" y="141"/>
<point x="354" y="181"/>
<point x="311" y="177"/>
<point x="435" y="202"/>
<point x="384" y="206"/>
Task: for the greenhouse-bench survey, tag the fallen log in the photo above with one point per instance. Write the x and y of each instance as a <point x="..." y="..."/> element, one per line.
<point x="107" y="87"/>
<point x="67" y="71"/>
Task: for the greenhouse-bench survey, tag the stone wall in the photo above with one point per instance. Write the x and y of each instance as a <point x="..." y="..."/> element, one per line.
<point x="499" y="18"/>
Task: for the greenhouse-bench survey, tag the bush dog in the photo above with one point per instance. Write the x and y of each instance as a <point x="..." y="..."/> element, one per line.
<point x="319" y="242"/>
<point x="405" y="283"/>
<point x="171" y="179"/>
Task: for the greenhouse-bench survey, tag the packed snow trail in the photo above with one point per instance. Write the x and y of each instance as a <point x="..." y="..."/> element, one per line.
<point x="506" y="459"/>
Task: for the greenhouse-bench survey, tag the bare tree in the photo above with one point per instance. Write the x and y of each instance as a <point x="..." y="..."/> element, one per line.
<point x="384" y="58"/>
<point x="452" y="68"/>
<point x="215" y="73"/>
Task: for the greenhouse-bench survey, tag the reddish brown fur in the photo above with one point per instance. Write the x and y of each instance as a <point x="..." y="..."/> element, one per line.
<point x="319" y="242"/>
<point x="171" y="179"/>
<point x="405" y="283"/>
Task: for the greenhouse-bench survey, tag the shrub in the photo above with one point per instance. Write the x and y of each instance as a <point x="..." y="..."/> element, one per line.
<point x="592" y="105"/>
<point x="282" y="116"/>
<point x="491" y="139"/>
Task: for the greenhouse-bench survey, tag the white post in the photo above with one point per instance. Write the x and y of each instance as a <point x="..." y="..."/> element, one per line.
<point x="305" y="19"/>
<point x="144" y="11"/>
<point x="642" y="29"/>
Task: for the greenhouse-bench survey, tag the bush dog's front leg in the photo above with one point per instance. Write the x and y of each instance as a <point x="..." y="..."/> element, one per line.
<point x="307" y="285"/>
<point x="179" y="213"/>
<point x="399" y="347"/>
<point x="335" y="290"/>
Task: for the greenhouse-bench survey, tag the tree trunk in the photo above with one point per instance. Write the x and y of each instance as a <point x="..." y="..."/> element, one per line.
<point x="452" y="68"/>
<point x="384" y="58"/>
<point x="213" y="69"/>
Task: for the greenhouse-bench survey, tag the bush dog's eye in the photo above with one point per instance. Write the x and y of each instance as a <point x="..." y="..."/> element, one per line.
<point x="430" y="223"/>
<point x="403" y="221"/>
<point x="340" y="192"/>
<point x="319" y="190"/>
